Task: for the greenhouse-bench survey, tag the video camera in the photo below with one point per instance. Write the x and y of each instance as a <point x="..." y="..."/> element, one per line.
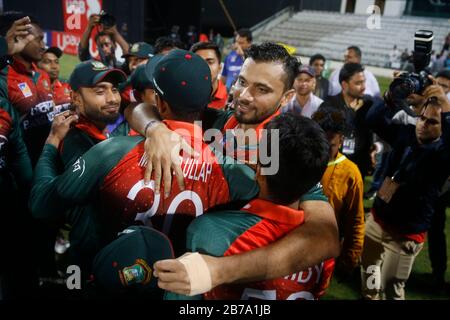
<point x="416" y="82"/>
<point x="107" y="20"/>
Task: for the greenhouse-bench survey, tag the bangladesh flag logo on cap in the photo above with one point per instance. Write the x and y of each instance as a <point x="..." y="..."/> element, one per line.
<point x="138" y="273"/>
<point x="135" y="48"/>
<point x="98" y="66"/>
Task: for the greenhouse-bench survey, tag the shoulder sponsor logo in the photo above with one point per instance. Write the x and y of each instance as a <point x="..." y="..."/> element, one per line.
<point x="79" y="165"/>
<point x="26" y="91"/>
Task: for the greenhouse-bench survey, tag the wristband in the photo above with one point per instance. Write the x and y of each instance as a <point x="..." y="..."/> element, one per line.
<point x="198" y="273"/>
<point x="149" y="125"/>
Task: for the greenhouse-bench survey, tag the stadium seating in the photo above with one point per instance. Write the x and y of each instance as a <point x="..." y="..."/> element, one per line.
<point x="329" y="33"/>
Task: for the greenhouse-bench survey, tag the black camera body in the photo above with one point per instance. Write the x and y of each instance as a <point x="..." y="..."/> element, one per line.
<point x="107" y="20"/>
<point x="416" y="82"/>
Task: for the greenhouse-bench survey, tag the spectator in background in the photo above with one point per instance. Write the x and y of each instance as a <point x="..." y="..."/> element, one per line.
<point x="50" y="64"/>
<point x="343" y="185"/>
<point x="446" y="46"/>
<point x="234" y="61"/>
<point x="191" y="36"/>
<point x="443" y="80"/>
<point x="353" y="54"/>
<point x="106" y="40"/>
<point x="218" y="39"/>
<point x="139" y="54"/>
<point x="352" y="100"/>
<point x="211" y="54"/>
<point x="323" y="87"/>
<point x="304" y="101"/>
<point x="163" y="45"/>
<point x="174" y="33"/>
<point x="394" y="58"/>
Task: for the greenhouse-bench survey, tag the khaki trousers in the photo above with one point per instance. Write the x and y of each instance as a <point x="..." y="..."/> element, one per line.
<point x="386" y="263"/>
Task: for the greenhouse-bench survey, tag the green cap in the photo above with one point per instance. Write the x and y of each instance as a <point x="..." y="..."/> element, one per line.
<point x="140" y="50"/>
<point x="139" y="80"/>
<point x="183" y="80"/>
<point x="89" y="73"/>
<point x="126" y="264"/>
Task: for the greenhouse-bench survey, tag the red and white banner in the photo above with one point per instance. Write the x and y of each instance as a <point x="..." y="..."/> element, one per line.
<point x="76" y="20"/>
<point x="77" y="13"/>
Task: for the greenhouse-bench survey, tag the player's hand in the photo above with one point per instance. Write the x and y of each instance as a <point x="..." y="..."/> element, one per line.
<point x="60" y="126"/>
<point x="173" y="276"/>
<point x="111" y="31"/>
<point x="93" y="21"/>
<point x="162" y="155"/>
<point x="19" y="35"/>
<point x="239" y="50"/>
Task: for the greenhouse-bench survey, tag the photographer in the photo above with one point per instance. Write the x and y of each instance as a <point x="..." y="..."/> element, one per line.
<point x="106" y="40"/>
<point x="415" y="171"/>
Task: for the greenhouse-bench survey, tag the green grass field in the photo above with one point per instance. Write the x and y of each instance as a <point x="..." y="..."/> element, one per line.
<point x="418" y="286"/>
<point x="67" y="63"/>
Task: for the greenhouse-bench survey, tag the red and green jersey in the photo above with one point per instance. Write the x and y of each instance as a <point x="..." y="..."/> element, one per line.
<point x="61" y="92"/>
<point x="219" y="100"/>
<point x="31" y="95"/>
<point x="258" y="224"/>
<point x="111" y="175"/>
<point x="227" y="123"/>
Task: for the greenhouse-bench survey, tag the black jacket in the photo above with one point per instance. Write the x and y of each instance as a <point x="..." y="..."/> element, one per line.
<point x="358" y="128"/>
<point x="421" y="171"/>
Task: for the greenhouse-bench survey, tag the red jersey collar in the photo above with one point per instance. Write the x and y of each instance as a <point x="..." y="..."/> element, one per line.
<point x="20" y="67"/>
<point x="87" y="126"/>
<point x="221" y="92"/>
<point x="272" y="211"/>
<point x="232" y="123"/>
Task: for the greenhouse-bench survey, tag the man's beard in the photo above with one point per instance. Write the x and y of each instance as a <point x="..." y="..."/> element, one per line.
<point x="96" y="116"/>
<point x="256" y="119"/>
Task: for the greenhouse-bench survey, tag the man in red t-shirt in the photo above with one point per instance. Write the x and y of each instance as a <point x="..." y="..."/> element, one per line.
<point x="50" y="64"/>
<point x="210" y="52"/>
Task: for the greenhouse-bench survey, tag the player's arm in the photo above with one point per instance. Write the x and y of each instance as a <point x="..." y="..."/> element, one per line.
<point x="52" y="193"/>
<point x="307" y="245"/>
<point x="83" y="47"/>
<point x="19" y="159"/>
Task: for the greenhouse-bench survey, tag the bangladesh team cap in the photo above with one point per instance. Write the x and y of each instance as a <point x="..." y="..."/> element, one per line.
<point x="182" y="79"/>
<point x="89" y="73"/>
<point x="140" y="50"/>
<point x="139" y="79"/>
<point x="126" y="264"/>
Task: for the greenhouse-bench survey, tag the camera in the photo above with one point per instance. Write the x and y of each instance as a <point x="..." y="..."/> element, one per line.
<point x="416" y="82"/>
<point x="107" y="20"/>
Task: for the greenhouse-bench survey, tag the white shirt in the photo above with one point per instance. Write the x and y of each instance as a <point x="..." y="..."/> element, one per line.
<point x="372" y="87"/>
<point x="307" y="110"/>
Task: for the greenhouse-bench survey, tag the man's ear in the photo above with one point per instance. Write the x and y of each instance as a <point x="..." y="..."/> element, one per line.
<point x="341" y="141"/>
<point x="287" y="96"/>
<point x="161" y="106"/>
<point x="77" y="100"/>
<point x="344" y="85"/>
